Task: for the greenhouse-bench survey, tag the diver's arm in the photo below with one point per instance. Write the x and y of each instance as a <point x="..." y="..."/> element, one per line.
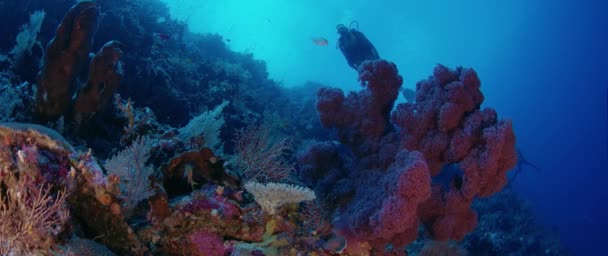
<point x="375" y="52"/>
<point x="341" y="46"/>
<point x="346" y="54"/>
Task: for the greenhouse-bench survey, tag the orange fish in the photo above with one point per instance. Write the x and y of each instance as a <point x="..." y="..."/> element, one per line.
<point x="320" y="41"/>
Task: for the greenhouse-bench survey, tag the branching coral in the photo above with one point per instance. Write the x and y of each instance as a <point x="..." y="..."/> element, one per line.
<point x="260" y="155"/>
<point x="32" y="190"/>
<point x="273" y="195"/>
<point x="27" y="37"/>
<point x="30" y="218"/>
<point x="129" y="167"/>
<point x="205" y="127"/>
<point x="42" y="158"/>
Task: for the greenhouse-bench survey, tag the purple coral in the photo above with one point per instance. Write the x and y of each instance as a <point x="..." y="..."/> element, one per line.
<point x="209" y="200"/>
<point x="207" y="243"/>
<point x="378" y="178"/>
<point x="384" y="210"/>
<point x="365" y="113"/>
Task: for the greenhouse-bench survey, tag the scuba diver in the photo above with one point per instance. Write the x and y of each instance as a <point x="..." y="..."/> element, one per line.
<point x="355" y="46"/>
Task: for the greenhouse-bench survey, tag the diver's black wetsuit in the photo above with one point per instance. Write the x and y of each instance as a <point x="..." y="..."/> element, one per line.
<point x="356" y="48"/>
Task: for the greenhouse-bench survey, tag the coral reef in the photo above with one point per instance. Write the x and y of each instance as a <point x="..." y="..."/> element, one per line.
<point x="508" y="226"/>
<point x="271" y="196"/>
<point x="380" y="173"/>
<point x="260" y="154"/>
<point x="169" y="143"/>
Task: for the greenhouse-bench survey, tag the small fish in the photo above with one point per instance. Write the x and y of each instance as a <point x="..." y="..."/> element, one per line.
<point x="320" y="41"/>
<point x="409" y="94"/>
<point x="189" y="175"/>
<point x="228" y="40"/>
<point x="162" y="36"/>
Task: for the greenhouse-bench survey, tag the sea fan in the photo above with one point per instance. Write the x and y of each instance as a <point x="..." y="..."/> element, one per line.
<point x="130" y="166"/>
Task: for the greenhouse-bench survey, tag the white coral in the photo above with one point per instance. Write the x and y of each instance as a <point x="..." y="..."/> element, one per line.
<point x="130" y="166"/>
<point x="26" y="39"/>
<point x="271" y="196"/>
<point x="207" y="125"/>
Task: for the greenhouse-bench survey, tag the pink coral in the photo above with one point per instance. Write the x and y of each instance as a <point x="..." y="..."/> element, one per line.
<point x="446" y="125"/>
<point x="380" y="175"/>
<point x="205" y="243"/>
<point x="207" y="201"/>
<point x="397" y="219"/>
<point x="448" y="215"/>
<point x="373" y="104"/>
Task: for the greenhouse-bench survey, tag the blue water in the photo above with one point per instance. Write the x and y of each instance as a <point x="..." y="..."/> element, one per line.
<point x="543" y="64"/>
